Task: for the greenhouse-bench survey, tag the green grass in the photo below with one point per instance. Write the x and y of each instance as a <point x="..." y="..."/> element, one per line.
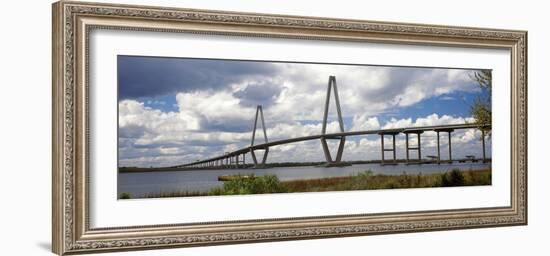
<point x="250" y="184"/>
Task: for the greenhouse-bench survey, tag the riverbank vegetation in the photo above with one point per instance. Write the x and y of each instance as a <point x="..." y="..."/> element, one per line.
<point x="367" y="180"/>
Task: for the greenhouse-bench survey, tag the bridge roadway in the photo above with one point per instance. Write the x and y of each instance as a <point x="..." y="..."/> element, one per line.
<point x="393" y="131"/>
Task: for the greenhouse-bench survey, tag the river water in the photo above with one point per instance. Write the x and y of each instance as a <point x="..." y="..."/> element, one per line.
<point x="141" y="183"/>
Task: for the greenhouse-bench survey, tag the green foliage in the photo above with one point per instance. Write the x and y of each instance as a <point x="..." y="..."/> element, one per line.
<point x="365" y="174"/>
<point x="481" y="111"/>
<point x="481" y="108"/>
<point x="243" y="185"/>
<point x="217" y="191"/>
<point x="484" y="78"/>
<point x="452" y="179"/>
<point x="125" y="195"/>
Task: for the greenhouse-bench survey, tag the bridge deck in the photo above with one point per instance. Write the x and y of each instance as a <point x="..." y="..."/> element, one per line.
<point x="337" y="134"/>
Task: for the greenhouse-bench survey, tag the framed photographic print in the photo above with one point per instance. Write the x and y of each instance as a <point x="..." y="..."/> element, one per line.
<point x="180" y="127"/>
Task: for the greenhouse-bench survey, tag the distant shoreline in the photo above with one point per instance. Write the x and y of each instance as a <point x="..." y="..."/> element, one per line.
<point x="286" y="164"/>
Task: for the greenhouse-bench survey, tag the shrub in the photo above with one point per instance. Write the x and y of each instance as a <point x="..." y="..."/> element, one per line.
<point x="125" y="195"/>
<point x="243" y="185"/>
<point x="365" y="174"/>
<point x="452" y="179"/>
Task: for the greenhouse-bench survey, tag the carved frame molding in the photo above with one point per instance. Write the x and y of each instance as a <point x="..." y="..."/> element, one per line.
<point x="72" y="22"/>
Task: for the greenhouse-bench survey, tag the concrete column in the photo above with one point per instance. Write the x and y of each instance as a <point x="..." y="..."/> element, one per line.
<point x="326" y="151"/>
<point x="450" y="151"/>
<point x="340" y="149"/>
<point x="419" y="148"/>
<point x="382" y="147"/>
<point x="254" y="159"/>
<point x="394" y="159"/>
<point x="438" y="150"/>
<point x="407" y="146"/>
<point x="264" y="160"/>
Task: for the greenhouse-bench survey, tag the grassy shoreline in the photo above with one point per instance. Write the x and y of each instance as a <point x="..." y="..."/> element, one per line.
<point x="369" y="181"/>
<point x="362" y="181"/>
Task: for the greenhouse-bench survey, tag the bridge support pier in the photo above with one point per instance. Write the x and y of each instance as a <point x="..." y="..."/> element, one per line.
<point x="383" y="149"/>
<point x="259" y="114"/>
<point x="448" y="131"/>
<point x="324" y="144"/>
<point x="418" y="148"/>
<point x="255" y="159"/>
<point x="339" y="153"/>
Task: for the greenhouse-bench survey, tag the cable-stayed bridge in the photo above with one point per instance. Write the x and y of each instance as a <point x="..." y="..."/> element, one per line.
<point x="236" y="159"/>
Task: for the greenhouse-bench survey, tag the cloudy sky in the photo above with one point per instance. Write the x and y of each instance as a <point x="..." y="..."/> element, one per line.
<point x="177" y="110"/>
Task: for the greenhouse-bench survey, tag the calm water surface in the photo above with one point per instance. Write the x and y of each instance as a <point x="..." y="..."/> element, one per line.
<point x="139" y="184"/>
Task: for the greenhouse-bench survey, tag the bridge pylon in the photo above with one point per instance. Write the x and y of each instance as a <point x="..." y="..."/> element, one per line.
<point x="332" y="87"/>
<point x="260" y="114"/>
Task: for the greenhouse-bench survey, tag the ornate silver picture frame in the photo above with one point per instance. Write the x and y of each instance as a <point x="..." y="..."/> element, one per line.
<point x="72" y="202"/>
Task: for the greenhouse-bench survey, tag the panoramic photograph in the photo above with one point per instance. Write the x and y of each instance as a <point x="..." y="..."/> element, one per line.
<point x="192" y="127"/>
